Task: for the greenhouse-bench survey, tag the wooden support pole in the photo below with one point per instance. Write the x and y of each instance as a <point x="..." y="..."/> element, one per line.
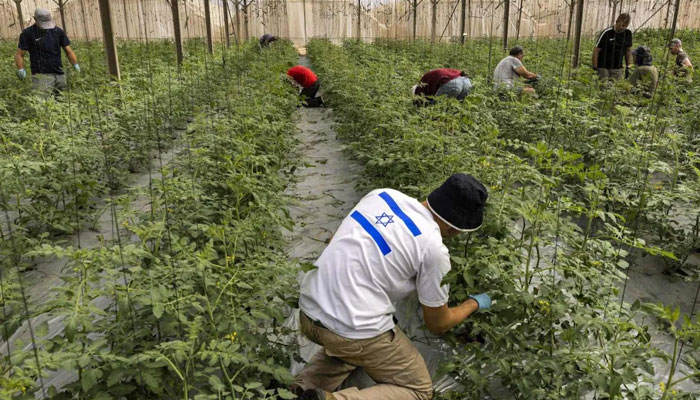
<point x="571" y="19"/>
<point x="226" y="25"/>
<point x="109" y="40"/>
<point x="463" y="21"/>
<point x="414" y="7"/>
<point x="433" y="29"/>
<point x="126" y="20"/>
<point x="62" y="11"/>
<point x="20" y="15"/>
<point x="359" y="21"/>
<point x="506" y="15"/>
<point x="178" y="33"/>
<point x="520" y="18"/>
<point x="207" y="18"/>
<point x="577" y="34"/>
<point x="675" y="19"/>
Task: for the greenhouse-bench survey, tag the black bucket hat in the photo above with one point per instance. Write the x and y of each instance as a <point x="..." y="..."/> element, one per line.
<point x="459" y="202"/>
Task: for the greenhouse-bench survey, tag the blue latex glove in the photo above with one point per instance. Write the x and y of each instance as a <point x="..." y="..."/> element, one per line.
<point x="483" y="300"/>
<point x="77" y="67"/>
<point x="21" y="73"/>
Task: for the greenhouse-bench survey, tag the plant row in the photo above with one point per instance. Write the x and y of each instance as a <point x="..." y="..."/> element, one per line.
<point x="550" y="253"/>
<point x="187" y="301"/>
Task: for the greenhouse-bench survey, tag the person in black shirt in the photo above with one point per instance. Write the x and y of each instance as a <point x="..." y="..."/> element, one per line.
<point x="613" y="44"/>
<point x="44" y="41"/>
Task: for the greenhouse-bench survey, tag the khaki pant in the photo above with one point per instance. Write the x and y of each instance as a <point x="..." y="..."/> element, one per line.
<point x="49" y="84"/>
<point x="614" y="74"/>
<point x="390" y="359"/>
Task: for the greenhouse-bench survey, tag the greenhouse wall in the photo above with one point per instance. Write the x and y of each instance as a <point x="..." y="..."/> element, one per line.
<point x="300" y="20"/>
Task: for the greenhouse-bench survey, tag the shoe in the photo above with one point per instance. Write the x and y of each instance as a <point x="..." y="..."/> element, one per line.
<point x="316" y="394"/>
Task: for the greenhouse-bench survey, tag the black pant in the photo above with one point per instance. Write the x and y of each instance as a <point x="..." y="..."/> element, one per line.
<point x="309" y="93"/>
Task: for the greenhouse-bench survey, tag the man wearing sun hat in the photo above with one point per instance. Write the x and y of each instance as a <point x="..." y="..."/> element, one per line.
<point x="388" y="247"/>
<point x="44" y="41"/>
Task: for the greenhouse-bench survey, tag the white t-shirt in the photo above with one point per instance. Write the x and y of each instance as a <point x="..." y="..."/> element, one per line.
<point x="505" y="74"/>
<point x="388" y="247"/>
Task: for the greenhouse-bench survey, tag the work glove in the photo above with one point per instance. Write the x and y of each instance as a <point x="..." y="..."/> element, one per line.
<point x="77" y="67"/>
<point x="21" y="73"/>
<point x="483" y="300"/>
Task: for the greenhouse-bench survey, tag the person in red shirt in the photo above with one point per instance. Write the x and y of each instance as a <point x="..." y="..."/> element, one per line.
<point x="443" y="82"/>
<point x="307" y="80"/>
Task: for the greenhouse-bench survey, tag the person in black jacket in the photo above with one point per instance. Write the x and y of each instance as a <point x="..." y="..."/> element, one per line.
<point x="44" y="41"/>
<point x="613" y="45"/>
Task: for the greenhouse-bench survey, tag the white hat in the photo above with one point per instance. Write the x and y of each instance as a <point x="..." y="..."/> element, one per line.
<point x="43" y="19"/>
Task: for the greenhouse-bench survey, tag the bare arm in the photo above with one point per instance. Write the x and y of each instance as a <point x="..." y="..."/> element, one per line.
<point x="524" y="73"/>
<point x="71" y="55"/>
<point x="19" y="58"/>
<point x="439" y="320"/>
<point x="686" y="63"/>
<point x="596" y="52"/>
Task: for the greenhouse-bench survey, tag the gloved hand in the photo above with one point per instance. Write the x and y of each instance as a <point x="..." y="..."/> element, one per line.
<point x="21" y="73"/>
<point x="77" y="67"/>
<point x="483" y="300"/>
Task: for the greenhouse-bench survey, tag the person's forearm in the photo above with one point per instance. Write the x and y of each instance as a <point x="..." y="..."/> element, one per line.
<point x="19" y="61"/>
<point x="628" y="57"/>
<point x="72" y="57"/>
<point x="459" y="314"/>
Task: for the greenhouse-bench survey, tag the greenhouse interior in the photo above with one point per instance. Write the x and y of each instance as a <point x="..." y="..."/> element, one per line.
<point x="349" y="199"/>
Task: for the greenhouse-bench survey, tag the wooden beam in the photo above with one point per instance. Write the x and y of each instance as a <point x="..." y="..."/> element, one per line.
<point x="20" y="15"/>
<point x="226" y="27"/>
<point x="109" y="40"/>
<point x="675" y="19"/>
<point x="463" y="21"/>
<point x="359" y="21"/>
<point x="178" y="33"/>
<point x="433" y="23"/>
<point x="577" y="34"/>
<point x="207" y="18"/>
<point x="506" y="15"/>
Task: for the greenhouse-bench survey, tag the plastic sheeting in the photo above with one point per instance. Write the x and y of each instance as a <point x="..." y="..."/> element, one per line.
<point x="300" y="20"/>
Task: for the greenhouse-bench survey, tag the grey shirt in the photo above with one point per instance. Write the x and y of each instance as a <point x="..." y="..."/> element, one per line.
<point x="504" y="74"/>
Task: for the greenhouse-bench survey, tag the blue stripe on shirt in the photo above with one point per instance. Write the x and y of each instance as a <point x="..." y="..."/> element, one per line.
<point x="373" y="232"/>
<point x="397" y="210"/>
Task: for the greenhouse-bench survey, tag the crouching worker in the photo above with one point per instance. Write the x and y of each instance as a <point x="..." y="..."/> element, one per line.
<point x="388" y="247"/>
<point x="645" y="75"/>
<point x="510" y="69"/>
<point x="309" y="84"/>
<point x="267" y="39"/>
<point x="442" y="82"/>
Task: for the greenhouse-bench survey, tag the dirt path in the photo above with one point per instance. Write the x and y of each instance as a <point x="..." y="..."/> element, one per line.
<point x="325" y="193"/>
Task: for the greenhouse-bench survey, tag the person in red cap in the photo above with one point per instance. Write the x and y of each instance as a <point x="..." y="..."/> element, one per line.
<point x="44" y="41"/>
<point x="307" y="80"/>
<point x="443" y="82"/>
<point x="389" y="246"/>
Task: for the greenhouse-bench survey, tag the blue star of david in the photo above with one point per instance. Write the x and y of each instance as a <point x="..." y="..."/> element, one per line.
<point x="384" y="219"/>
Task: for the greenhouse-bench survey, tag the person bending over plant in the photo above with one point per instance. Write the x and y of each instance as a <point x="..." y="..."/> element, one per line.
<point x="644" y="73"/>
<point x="510" y="69"/>
<point x="309" y="84"/>
<point x="44" y="41"/>
<point x="267" y="39"/>
<point x="684" y="68"/>
<point x="442" y="82"/>
<point x="388" y="247"/>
